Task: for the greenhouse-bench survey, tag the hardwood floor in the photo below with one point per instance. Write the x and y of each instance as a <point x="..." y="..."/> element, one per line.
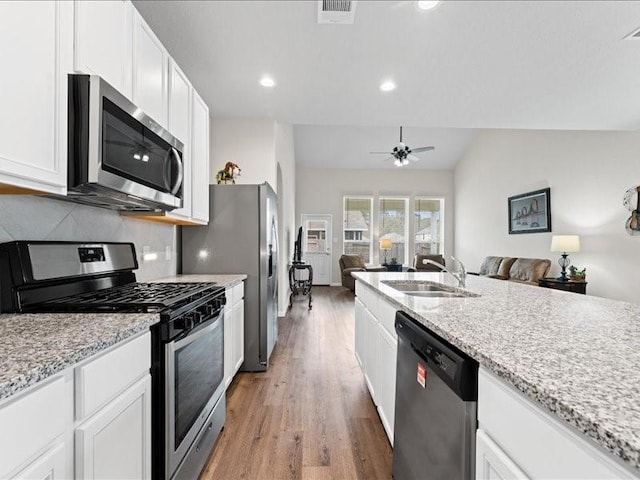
<point x="310" y="415"/>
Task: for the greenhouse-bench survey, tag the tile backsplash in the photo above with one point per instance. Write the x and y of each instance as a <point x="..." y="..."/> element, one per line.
<point x="27" y="217"/>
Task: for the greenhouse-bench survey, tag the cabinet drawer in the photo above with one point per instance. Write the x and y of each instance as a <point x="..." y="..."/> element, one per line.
<point x="386" y="315"/>
<point x="541" y="445"/>
<point x="101" y="379"/>
<point x="31" y="422"/>
<point x="367" y="297"/>
<point x="234" y="294"/>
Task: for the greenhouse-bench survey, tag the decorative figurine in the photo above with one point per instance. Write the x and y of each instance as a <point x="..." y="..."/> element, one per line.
<point x="228" y="174"/>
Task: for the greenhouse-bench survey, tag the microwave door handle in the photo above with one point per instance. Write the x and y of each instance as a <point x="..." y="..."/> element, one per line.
<point x="178" y="184"/>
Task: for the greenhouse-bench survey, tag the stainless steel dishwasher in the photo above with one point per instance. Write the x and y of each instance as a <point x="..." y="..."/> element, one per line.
<point x="435" y="414"/>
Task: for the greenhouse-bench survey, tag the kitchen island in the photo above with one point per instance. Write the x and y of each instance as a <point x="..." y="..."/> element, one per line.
<point x="576" y="357"/>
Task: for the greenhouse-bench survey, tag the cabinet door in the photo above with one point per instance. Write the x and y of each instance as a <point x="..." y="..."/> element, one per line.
<point x="228" y="346"/>
<point x="238" y="335"/>
<point x="103" y="36"/>
<point x="385" y="387"/>
<point x="359" y="332"/>
<point x="37" y="54"/>
<point x="371" y="341"/>
<point x="115" y="442"/>
<point x="492" y="463"/>
<point x="150" y="68"/>
<point x="200" y="160"/>
<point x="50" y="466"/>
<point x="180" y="127"/>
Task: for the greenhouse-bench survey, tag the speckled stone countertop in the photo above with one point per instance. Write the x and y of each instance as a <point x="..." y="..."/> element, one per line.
<point x="578" y="356"/>
<point x="36" y="346"/>
<point x="224" y="280"/>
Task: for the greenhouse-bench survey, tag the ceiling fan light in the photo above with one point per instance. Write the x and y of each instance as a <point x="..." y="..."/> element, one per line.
<point x="397" y="163"/>
<point x="405" y="161"/>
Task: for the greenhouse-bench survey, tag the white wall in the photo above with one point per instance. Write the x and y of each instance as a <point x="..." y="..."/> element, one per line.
<point x="263" y="149"/>
<point x="321" y="191"/>
<point x="249" y="143"/>
<point x="588" y="173"/>
<point x="286" y="188"/>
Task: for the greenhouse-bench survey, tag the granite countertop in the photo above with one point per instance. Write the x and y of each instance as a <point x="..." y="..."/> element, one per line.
<point x="36" y="346"/>
<point x="223" y="280"/>
<point x="578" y="356"/>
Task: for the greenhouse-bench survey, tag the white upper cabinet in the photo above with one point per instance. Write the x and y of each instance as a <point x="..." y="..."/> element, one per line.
<point x="37" y="54"/>
<point x="180" y="127"/>
<point x="103" y="41"/>
<point x="150" y="71"/>
<point x="200" y="160"/>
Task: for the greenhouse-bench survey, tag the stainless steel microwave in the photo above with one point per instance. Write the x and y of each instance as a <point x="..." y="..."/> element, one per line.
<point x="119" y="157"/>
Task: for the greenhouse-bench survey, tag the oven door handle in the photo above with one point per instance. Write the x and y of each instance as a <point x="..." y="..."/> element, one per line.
<point x="198" y="332"/>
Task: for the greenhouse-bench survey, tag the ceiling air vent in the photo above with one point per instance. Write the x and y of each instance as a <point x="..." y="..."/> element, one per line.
<point x="336" y="11"/>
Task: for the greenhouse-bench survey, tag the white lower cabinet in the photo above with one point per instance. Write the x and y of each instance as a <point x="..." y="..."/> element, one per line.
<point x="233" y="332"/>
<point x="518" y="439"/>
<point x="492" y="463"/>
<point x="116" y="441"/>
<point x="52" y="465"/>
<point x="113" y="440"/>
<point x="387" y="348"/>
<point x="376" y="346"/>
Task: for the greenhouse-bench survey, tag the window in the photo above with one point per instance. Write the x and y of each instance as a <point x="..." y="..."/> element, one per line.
<point x="428" y="228"/>
<point x="357" y="226"/>
<point x="393" y="226"/>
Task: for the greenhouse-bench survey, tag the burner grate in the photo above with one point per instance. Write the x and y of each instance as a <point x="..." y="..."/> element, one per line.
<point x="135" y="296"/>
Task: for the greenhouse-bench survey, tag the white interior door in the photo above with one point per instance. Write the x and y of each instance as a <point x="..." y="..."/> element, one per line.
<point x="316" y="246"/>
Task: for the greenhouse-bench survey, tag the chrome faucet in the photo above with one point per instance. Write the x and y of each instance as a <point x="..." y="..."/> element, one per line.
<point x="460" y="274"/>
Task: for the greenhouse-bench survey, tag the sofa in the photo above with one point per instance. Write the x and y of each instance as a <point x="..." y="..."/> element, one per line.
<point x="354" y="263"/>
<point x="523" y="270"/>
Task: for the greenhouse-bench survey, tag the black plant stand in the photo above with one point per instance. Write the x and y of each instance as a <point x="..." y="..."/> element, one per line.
<point x="300" y="286"/>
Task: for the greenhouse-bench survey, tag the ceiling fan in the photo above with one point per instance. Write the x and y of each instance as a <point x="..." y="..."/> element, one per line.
<point x="402" y="153"/>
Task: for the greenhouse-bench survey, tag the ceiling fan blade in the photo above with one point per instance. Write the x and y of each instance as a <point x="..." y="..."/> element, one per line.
<point x="422" y="149"/>
<point x="412" y="157"/>
<point x="389" y="158"/>
<point x="386" y="153"/>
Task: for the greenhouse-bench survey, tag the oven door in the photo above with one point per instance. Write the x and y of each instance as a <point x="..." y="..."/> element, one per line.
<point x="194" y="383"/>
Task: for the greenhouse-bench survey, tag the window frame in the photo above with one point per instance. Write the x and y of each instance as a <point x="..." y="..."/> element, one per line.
<point x="371" y="224"/>
<point x="442" y="220"/>
<point x="407" y="221"/>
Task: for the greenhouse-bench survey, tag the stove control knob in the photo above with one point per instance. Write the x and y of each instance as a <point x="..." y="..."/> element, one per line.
<point x="185" y="322"/>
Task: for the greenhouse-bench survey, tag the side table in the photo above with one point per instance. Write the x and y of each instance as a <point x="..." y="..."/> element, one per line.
<point x="300" y="286"/>
<point x="568" y="286"/>
<point x="393" y="267"/>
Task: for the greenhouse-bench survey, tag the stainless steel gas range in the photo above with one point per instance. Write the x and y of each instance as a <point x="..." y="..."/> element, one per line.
<point x="188" y="402"/>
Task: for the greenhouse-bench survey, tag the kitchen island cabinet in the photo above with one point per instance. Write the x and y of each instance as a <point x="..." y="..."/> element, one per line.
<point x="573" y="357"/>
<point x="376" y="344"/>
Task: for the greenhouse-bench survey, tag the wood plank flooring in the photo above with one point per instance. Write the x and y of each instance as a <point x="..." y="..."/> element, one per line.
<point x="310" y="415"/>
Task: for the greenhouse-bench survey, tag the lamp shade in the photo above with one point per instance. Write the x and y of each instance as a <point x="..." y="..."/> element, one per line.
<point x="385" y="243"/>
<point x="565" y="243"/>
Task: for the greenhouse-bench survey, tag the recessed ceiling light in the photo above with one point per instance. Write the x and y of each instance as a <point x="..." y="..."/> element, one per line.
<point x="427" y="5"/>
<point x="267" y="82"/>
<point x="387" y="86"/>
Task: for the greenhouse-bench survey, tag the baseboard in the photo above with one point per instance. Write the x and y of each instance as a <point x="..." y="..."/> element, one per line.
<point x="335" y="284"/>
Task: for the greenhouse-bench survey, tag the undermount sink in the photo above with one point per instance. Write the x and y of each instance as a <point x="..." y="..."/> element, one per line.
<point x="427" y="289"/>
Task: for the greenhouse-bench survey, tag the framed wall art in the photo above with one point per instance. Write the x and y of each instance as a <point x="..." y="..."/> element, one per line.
<point x="530" y="212"/>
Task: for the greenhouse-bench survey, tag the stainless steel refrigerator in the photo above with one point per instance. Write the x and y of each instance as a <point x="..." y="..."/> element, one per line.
<point x="242" y="238"/>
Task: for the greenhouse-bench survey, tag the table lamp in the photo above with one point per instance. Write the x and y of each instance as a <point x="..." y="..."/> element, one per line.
<point x="565" y="244"/>
<point x="385" y="244"/>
